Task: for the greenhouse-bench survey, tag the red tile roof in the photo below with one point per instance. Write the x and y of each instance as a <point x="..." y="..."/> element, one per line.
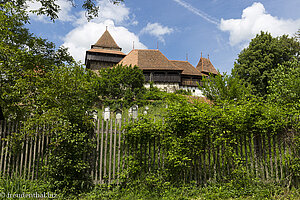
<point x="205" y="66"/>
<point x="148" y="59"/>
<point x="188" y="68"/>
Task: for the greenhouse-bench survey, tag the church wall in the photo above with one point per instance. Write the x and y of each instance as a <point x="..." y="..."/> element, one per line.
<point x="97" y="65"/>
<point x="168" y="87"/>
<point x="195" y="90"/>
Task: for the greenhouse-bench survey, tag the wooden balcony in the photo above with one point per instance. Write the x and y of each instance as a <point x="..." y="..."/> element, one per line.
<point x="163" y="78"/>
<point x="191" y="83"/>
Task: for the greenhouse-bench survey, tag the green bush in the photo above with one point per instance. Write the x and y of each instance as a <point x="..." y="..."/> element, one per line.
<point x="184" y="92"/>
<point x="18" y="185"/>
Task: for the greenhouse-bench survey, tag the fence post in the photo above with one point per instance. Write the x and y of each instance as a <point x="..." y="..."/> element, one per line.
<point x="2" y="135"/>
<point x="115" y="145"/>
<point x="105" y="148"/>
<point x="101" y="151"/>
<point x="97" y="151"/>
<point x="119" y="150"/>
<point x="6" y="148"/>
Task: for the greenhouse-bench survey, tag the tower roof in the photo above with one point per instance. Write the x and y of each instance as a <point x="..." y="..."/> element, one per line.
<point x="205" y="66"/>
<point x="148" y="59"/>
<point x="188" y="68"/>
<point x="106" y="41"/>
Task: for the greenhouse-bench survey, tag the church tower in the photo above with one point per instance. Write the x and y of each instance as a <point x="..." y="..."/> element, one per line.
<point x="104" y="53"/>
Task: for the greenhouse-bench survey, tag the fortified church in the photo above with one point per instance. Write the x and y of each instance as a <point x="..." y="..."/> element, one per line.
<point x="168" y="75"/>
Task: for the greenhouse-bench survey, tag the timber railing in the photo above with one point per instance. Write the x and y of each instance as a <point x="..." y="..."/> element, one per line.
<point x="266" y="157"/>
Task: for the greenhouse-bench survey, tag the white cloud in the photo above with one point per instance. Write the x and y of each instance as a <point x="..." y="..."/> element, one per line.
<point x="198" y="12"/>
<point x="255" y="19"/>
<point x="85" y="33"/>
<point x="157" y="30"/>
<point x="64" y="13"/>
<point x="80" y="39"/>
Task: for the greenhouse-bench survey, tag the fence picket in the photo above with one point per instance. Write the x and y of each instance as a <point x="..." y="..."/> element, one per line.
<point x="9" y="149"/>
<point x="115" y="146"/>
<point x="110" y="151"/>
<point x="16" y="161"/>
<point x="38" y="152"/>
<point x="270" y="155"/>
<point x="149" y="157"/>
<point x="2" y="123"/>
<point x="34" y="153"/>
<point x="105" y="149"/>
<point x="6" y="148"/>
<point x="97" y="150"/>
<point x="209" y="161"/>
<point x="124" y="148"/>
<point x="261" y="154"/>
<point x="43" y="146"/>
<point x="246" y="152"/>
<point x="101" y="152"/>
<point x="280" y="156"/>
<point x="119" y="151"/>
<point x="251" y="154"/>
<point x="266" y="156"/>
<point x="275" y="157"/>
<point x="22" y="153"/>
<point x="265" y="163"/>
<point x="214" y="160"/>
<point x="204" y="163"/>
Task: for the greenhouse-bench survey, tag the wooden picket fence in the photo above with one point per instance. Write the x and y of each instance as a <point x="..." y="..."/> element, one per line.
<point x="265" y="157"/>
<point x="26" y="160"/>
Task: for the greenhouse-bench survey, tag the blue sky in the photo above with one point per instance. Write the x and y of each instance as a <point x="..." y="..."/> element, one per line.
<point x="181" y="28"/>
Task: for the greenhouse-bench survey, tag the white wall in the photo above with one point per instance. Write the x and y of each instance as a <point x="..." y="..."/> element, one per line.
<point x="172" y="87"/>
<point x="168" y="87"/>
<point x="195" y="90"/>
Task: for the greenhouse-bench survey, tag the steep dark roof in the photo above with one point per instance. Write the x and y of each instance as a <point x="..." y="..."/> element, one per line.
<point x="106" y="41"/>
<point x="148" y="59"/>
<point x="188" y="68"/>
<point x="205" y="66"/>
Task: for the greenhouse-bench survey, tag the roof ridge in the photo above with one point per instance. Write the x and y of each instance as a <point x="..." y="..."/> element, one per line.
<point x="169" y="60"/>
<point x="148" y="59"/>
<point x="187" y="67"/>
<point x="145" y="50"/>
<point x="181" y="60"/>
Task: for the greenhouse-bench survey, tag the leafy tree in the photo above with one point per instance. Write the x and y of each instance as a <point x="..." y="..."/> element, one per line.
<point x="44" y="87"/>
<point x="22" y="55"/>
<point x="50" y="8"/>
<point x="256" y="62"/>
<point x="120" y="83"/>
<point x="297" y="35"/>
<point x="284" y="86"/>
<point x="183" y="92"/>
<point x="226" y="87"/>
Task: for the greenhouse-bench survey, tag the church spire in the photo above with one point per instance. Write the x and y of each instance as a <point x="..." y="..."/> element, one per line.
<point x="106" y="41"/>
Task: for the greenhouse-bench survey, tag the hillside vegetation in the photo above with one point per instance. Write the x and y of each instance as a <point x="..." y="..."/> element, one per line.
<point x="42" y="85"/>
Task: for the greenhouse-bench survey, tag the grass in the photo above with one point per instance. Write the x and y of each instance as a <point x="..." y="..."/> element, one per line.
<point x="162" y="191"/>
<point x="210" y="192"/>
<point x="16" y="185"/>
